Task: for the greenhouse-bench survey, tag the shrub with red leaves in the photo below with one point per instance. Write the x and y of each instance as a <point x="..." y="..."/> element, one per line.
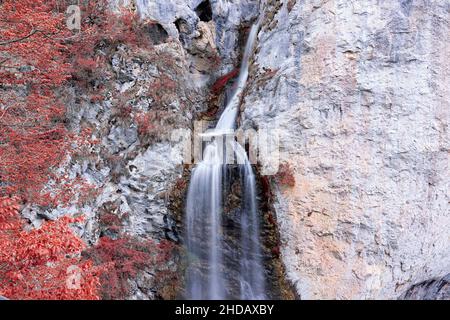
<point x="285" y="175"/>
<point x="110" y="222"/>
<point x="102" y="29"/>
<point x="145" y="123"/>
<point x="163" y="87"/>
<point x="220" y="83"/>
<point x="33" y="62"/>
<point x="43" y="263"/>
<point x="125" y="258"/>
<point x="38" y="55"/>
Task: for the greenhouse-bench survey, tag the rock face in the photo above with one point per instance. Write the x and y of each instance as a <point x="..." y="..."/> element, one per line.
<point x="135" y="164"/>
<point x="359" y="91"/>
<point x="436" y="289"/>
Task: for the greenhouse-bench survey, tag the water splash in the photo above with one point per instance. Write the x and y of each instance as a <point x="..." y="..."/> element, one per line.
<point x="204" y="234"/>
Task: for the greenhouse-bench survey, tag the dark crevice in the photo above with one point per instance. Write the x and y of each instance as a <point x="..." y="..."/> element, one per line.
<point x="157" y="33"/>
<point x="204" y="11"/>
<point x="180" y="24"/>
<point x="183" y="30"/>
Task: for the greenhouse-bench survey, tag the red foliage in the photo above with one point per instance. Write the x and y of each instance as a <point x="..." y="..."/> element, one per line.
<point x="111" y="222"/>
<point x="125" y="257"/>
<point x="163" y="85"/>
<point x="125" y="111"/>
<point x="33" y="62"/>
<point x="220" y="83"/>
<point x="180" y="184"/>
<point x="110" y="219"/>
<point x="145" y="123"/>
<point x="37" y="56"/>
<point x="285" y="175"/>
<point x="86" y="64"/>
<point x="276" y="251"/>
<point x="271" y="219"/>
<point x="96" y="98"/>
<point x="101" y="28"/>
<point x="42" y="263"/>
<point x="30" y="38"/>
<point x="265" y="184"/>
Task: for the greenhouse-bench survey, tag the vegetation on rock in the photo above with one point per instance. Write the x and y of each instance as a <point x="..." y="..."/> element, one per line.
<point x="39" y="57"/>
<point x="43" y="263"/>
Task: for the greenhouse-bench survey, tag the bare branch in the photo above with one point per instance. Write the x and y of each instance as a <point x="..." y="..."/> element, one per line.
<point x="19" y="39"/>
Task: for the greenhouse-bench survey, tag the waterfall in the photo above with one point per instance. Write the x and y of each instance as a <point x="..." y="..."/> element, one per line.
<point x="206" y="272"/>
<point x="227" y="120"/>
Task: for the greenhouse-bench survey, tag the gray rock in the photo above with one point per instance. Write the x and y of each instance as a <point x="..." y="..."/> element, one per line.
<point x="180" y="16"/>
<point x="435" y="289"/>
<point x="144" y="190"/>
<point x="121" y="138"/>
<point x="359" y="91"/>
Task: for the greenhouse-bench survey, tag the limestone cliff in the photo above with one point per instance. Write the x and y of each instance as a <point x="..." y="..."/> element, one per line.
<point x="148" y="91"/>
<point x="361" y="91"/>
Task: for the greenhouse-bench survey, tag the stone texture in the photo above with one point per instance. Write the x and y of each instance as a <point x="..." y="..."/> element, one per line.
<point x="131" y="173"/>
<point x="360" y="92"/>
<point x="227" y="17"/>
<point x="435" y="289"/>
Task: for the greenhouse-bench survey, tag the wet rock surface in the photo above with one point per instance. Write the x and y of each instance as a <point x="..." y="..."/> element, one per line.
<point x="276" y="288"/>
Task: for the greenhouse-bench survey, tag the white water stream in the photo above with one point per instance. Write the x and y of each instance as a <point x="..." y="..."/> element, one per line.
<point x="206" y="273"/>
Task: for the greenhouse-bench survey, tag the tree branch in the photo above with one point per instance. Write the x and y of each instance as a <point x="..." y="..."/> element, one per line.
<point x="20" y="39"/>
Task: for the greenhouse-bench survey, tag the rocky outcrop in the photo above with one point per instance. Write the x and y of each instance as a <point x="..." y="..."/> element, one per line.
<point x="134" y="163"/>
<point x="359" y="91"/>
<point x="435" y="289"/>
<point x="134" y="167"/>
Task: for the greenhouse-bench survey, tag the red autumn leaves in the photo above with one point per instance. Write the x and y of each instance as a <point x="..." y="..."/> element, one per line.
<point x="38" y="56"/>
<point x="220" y="83"/>
<point x="33" y="62"/>
<point x="40" y="263"/>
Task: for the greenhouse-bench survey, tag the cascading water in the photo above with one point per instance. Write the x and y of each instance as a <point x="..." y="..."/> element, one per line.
<point x="206" y="273"/>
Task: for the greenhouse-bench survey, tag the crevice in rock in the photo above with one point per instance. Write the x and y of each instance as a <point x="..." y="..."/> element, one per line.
<point x="157" y="33"/>
<point x="204" y="11"/>
<point x="183" y="29"/>
<point x="279" y="287"/>
<point x="434" y="289"/>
